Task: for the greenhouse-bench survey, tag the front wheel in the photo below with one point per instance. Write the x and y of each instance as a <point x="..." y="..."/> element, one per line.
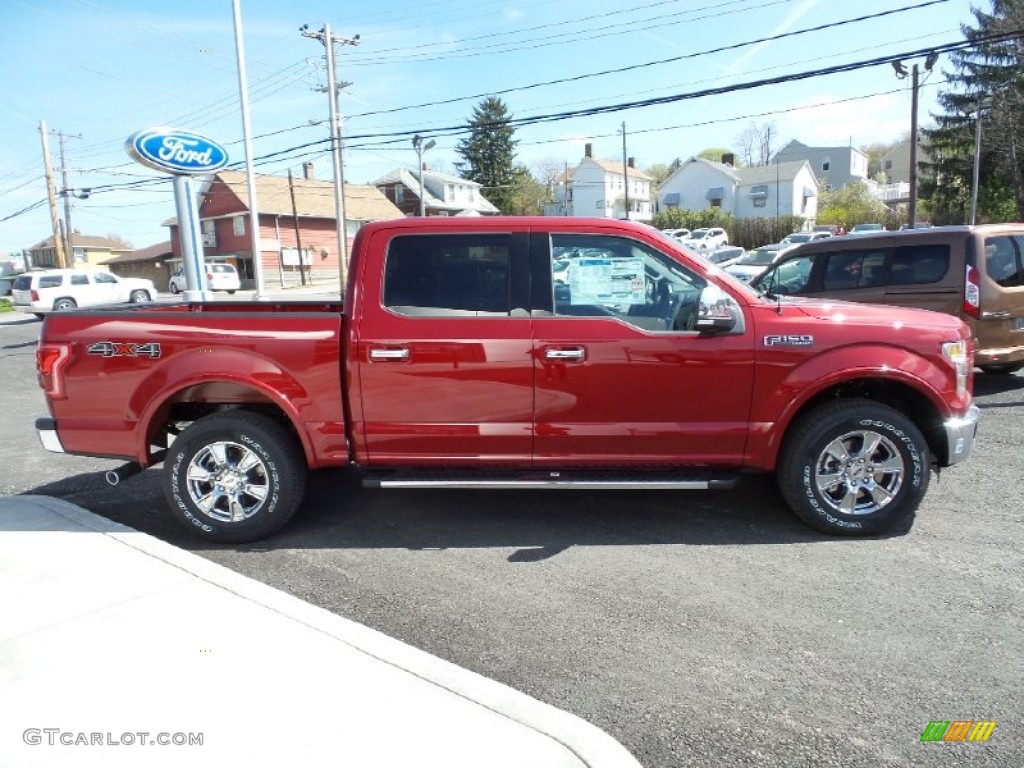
<point x="234" y="476"/>
<point x="1001" y="369"/>
<point x="139" y="297"/>
<point x="854" y="468"/>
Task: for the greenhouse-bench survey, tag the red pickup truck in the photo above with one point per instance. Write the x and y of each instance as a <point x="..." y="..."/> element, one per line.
<point x="516" y="353"/>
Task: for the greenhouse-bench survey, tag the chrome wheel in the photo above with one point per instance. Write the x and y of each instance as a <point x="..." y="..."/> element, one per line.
<point x="227" y="481"/>
<point x="859" y="472"/>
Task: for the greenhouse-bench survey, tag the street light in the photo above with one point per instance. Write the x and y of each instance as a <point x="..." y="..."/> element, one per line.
<point x="421" y="147"/>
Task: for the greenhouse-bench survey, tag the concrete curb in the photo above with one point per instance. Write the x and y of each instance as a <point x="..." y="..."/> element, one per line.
<point x="590" y="744"/>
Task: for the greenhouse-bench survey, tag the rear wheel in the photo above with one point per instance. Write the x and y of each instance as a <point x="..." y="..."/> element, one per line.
<point x="175" y="289"/>
<point x="234" y="476"/>
<point x="62" y="305"/>
<point x="139" y="297"/>
<point x="854" y="468"/>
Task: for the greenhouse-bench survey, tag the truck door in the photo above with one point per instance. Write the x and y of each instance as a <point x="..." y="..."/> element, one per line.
<point x="443" y="344"/>
<point x="623" y="376"/>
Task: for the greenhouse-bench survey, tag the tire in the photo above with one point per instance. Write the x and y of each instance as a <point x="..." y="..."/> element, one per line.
<point x="63" y="305"/>
<point x="875" y="489"/>
<point x="1001" y="369"/>
<point x="231" y="290"/>
<point x="266" y="493"/>
<point x="175" y="289"/>
<point x="139" y="297"/>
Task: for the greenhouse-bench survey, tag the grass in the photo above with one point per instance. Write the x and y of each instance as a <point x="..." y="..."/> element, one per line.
<point x="5" y="305"/>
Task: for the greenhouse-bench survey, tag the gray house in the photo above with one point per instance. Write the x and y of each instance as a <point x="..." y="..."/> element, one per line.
<point x="834" y="167"/>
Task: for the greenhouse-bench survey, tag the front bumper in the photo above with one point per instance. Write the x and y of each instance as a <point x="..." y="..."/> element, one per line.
<point x="46" y="428"/>
<point x="960" y="433"/>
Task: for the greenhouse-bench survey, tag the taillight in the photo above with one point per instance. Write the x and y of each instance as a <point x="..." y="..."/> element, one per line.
<point x="50" y="362"/>
<point x="972" y="292"/>
<point x="35" y="295"/>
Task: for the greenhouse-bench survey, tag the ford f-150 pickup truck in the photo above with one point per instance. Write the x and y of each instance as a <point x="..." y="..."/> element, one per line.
<point x="458" y="360"/>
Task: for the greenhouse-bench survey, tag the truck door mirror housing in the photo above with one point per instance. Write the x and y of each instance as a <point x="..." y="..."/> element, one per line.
<point x="718" y="312"/>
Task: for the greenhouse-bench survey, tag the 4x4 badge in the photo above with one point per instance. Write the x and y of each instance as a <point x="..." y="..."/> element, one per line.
<point x="124" y="349"/>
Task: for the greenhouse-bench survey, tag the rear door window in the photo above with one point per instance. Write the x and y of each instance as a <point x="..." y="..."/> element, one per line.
<point x="79" y="279"/>
<point x="455" y="275"/>
<point x="919" y="264"/>
<point x="51" y="281"/>
<point x="1004" y="261"/>
<point x="847" y="270"/>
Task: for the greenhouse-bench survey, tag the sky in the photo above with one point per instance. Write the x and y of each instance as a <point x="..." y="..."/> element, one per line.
<point x="99" y="70"/>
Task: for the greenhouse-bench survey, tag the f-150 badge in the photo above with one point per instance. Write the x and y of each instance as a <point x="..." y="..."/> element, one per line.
<point x="124" y="349"/>
<point x="792" y="340"/>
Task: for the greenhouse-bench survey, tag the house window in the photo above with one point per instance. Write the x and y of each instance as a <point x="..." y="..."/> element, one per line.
<point x="600" y="205"/>
<point x="238" y="225"/>
<point x="399" y="195"/>
<point x="716" y="202"/>
<point x="826" y="163"/>
<point x="888" y="165"/>
<point x="207" y="225"/>
<point x="759" y="202"/>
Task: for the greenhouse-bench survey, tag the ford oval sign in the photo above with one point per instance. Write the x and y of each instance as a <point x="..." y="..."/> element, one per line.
<point x="176" y="151"/>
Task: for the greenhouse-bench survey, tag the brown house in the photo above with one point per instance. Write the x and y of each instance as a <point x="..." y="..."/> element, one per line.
<point x="224" y="218"/>
<point x="90" y="251"/>
<point x="152" y="263"/>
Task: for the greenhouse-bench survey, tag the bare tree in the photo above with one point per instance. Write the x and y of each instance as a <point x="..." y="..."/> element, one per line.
<point x="756" y="143"/>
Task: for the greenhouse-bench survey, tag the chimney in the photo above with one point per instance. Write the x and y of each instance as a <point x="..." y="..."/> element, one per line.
<point x="631" y="162"/>
<point x="588" y="150"/>
<point x="307" y="171"/>
<point x="729" y="159"/>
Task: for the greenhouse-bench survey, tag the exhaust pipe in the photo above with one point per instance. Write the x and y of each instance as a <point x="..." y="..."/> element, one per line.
<point x="123" y="472"/>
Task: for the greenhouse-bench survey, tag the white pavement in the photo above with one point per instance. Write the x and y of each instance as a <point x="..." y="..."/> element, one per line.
<point x="112" y="641"/>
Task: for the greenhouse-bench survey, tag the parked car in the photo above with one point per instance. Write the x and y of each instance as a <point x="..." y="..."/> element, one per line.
<point x="804" y="237"/>
<point x="707" y="238"/>
<point x="678" y="234"/>
<point x="724" y="255"/>
<point x="219" y="276"/>
<point x="867" y="229"/>
<point x="61" y="289"/>
<point x="974" y="273"/>
<point x="833" y="229"/>
<point x="746" y="268"/>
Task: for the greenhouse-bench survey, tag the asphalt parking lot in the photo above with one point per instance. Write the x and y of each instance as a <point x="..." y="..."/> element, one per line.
<point x="696" y="628"/>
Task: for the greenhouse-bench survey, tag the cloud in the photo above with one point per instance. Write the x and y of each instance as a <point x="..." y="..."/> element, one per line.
<point x="879" y="118"/>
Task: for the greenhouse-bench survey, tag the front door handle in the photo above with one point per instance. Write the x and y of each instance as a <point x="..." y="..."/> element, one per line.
<point x="565" y="353"/>
<point x="389" y="353"/>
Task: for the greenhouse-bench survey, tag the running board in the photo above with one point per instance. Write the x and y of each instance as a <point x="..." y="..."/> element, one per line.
<point x="555" y="480"/>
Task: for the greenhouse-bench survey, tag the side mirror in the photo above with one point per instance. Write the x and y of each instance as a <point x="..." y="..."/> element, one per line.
<point x="718" y="312"/>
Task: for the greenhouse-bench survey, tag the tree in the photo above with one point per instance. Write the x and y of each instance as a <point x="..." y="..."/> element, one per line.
<point x="854" y="204"/>
<point x="489" y="153"/>
<point x="529" y="195"/>
<point x="119" y="241"/>
<point x="987" y="72"/>
<point x="874" y="153"/>
<point x="756" y="143"/>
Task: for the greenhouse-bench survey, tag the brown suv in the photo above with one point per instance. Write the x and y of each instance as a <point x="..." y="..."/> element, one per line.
<point x="975" y="273"/>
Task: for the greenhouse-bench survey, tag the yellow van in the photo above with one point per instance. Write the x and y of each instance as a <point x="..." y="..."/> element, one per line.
<point x="975" y="273"/>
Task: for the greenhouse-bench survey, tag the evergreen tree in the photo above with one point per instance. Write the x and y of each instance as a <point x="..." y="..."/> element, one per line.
<point x="488" y="153"/>
<point x="990" y="73"/>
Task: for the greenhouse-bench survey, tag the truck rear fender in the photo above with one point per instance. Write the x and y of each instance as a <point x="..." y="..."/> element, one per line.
<point x="902" y="379"/>
<point x="233" y="378"/>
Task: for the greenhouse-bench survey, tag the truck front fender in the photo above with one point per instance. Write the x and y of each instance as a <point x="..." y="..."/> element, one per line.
<point x="788" y="391"/>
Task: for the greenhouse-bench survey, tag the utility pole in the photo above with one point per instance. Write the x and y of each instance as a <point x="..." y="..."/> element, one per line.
<point x="51" y="195"/>
<point x="295" y="220"/>
<point x="329" y="41"/>
<point x="69" y="246"/>
<point x="625" y="170"/>
<point x="417" y="142"/>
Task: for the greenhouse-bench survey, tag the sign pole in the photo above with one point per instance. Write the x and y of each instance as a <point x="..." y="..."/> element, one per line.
<point x="197" y="289"/>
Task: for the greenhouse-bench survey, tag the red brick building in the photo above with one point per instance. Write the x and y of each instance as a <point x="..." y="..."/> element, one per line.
<point x="224" y="218"/>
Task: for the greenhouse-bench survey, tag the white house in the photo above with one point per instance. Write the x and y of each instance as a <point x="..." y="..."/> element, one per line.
<point x="443" y="194"/>
<point x="601" y="188"/>
<point x="783" y="189"/>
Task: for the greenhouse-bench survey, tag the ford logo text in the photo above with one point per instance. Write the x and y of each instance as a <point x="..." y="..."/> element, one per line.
<point x="176" y="151"/>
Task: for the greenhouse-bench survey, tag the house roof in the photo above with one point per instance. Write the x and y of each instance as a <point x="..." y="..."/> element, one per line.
<point x="78" y="240"/>
<point x="410" y="180"/>
<point x="150" y="253"/>
<point x="313" y="198"/>
<point x="766" y="174"/>
<point x="610" y="166"/>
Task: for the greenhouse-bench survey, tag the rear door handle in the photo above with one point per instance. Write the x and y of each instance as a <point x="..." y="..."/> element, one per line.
<point x="389" y="353"/>
<point x="565" y="353"/>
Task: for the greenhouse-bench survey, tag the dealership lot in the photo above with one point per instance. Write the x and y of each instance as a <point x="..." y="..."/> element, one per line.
<point x="697" y="629"/>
